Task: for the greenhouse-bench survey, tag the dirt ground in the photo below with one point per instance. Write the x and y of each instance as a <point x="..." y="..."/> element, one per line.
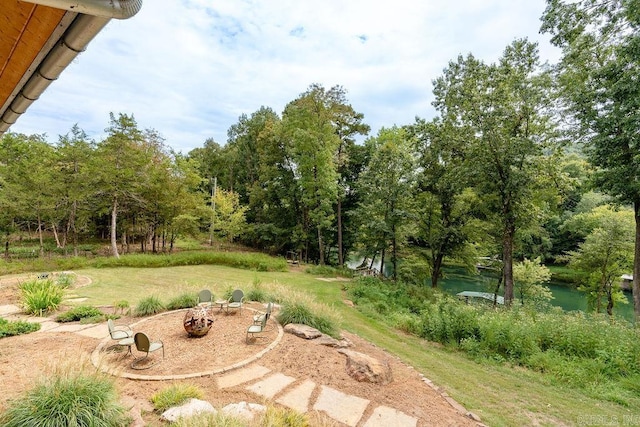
<point x="27" y="358"/>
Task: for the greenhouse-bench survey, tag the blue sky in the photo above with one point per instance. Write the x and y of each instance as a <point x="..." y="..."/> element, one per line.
<point x="190" y="68"/>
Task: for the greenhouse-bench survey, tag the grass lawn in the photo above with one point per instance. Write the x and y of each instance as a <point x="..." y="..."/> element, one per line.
<point x="500" y="394"/>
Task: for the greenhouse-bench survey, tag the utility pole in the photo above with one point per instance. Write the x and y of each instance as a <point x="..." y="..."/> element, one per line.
<point x="213" y="208"/>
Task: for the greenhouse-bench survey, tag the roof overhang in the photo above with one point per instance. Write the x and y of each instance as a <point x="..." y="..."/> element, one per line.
<point x="40" y="38"/>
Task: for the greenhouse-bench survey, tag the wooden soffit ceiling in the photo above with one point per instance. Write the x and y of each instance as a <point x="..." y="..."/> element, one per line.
<point x="25" y="31"/>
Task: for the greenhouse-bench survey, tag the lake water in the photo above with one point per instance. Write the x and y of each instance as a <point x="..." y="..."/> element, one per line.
<point x="569" y="299"/>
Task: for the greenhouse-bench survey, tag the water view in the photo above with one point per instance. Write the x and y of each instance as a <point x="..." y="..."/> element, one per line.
<point x="569" y="299"/>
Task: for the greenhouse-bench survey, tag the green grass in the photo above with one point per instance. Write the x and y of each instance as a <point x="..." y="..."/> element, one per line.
<point x="186" y="300"/>
<point x="499" y="393"/>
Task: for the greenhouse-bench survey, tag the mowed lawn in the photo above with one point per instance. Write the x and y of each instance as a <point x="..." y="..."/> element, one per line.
<point x="502" y="395"/>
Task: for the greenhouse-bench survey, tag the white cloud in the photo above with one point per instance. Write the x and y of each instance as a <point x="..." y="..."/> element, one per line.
<point x="189" y="68"/>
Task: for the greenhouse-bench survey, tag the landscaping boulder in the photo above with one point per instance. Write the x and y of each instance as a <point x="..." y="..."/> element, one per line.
<point x="302" y="331"/>
<point x="244" y="410"/>
<point x="332" y="342"/>
<point x="365" y="368"/>
<point x="188" y="409"/>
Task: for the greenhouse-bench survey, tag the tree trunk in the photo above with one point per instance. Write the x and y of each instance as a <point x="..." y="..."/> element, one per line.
<point x="74" y="230"/>
<point x="394" y="252"/>
<point x="636" y="264"/>
<point x="435" y="271"/>
<point x="55" y="234"/>
<point x="114" y="222"/>
<point x="340" y="253"/>
<point x="507" y="260"/>
<point x="382" y="253"/>
<point x="320" y="246"/>
<point x="40" y="235"/>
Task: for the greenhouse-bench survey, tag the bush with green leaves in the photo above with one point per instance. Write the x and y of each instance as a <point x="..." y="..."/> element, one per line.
<point x="65" y="280"/>
<point x="78" y="313"/>
<point x="186" y="300"/>
<point x="149" y="306"/>
<point x="257" y="293"/>
<point x="39" y="296"/>
<point x="68" y="399"/>
<point x="175" y="395"/>
<point x="122" y="307"/>
<point x="10" y="328"/>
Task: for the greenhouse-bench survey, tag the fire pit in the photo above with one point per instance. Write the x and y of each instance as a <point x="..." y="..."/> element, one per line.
<point x="198" y="321"/>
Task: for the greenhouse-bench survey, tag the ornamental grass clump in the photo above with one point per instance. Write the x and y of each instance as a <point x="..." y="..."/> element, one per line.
<point x="175" y="395"/>
<point x="299" y="308"/>
<point x="149" y="306"/>
<point x="186" y="300"/>
<point x="40" y="296"/>
<point x="68" y="399"/>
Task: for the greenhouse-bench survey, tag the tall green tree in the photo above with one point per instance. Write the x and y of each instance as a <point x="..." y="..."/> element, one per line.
<point x="347" y="123"/>
<point x="386" y="185"/>
<point x="600" y="41"/>
<point x="308" y="125"/>
<point x="73" y="170"/>
<point x="120" y="164"/>
<point x="446" y="203"/>
<point x="605" y="255"/>
<point x="505" y="108"/>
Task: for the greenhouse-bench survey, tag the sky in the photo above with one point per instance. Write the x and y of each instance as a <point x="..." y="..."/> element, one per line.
<point x="190" y="68"/>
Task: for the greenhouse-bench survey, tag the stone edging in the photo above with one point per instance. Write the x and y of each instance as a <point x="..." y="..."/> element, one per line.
<point x="95" y="357"/>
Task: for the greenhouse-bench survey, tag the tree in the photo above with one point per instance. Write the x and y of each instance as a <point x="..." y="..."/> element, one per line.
<point x="229" y="216"/>
<point x="347" y="123"/>
<point x="605" y="255"/>
<point x="599" y="71"/>
<point x="77" y="182"/>
<point x="502" y="108"/>
<point x="308" y="125"/>
<point x="528" y="277"/>
<point x="29" y="188"/>
<point x="445" y="203"/>
<point x="386" y="186"/>
<point x="120" y="165"/>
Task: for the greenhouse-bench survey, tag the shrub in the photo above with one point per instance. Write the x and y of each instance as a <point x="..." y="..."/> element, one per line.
<point x="273" y="417"/>
<point x="284" y="417"/>
<point x="64" y="280"/>
<point x="149" y="306"/>
<point x="122" y="306"/>
<point x="175" y="395"/>
<point x="185" y="300"/>
<point x="40" y="296"/>
<point x="68" y="400"/>
<point x="18" y="327"/>
<point x="257" y="293"/>
<point x="78" y="313"/>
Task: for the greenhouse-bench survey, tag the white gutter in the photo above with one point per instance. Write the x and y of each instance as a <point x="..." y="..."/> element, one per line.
<point x="119" y="9"/>
<point x="74" y="41"/>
